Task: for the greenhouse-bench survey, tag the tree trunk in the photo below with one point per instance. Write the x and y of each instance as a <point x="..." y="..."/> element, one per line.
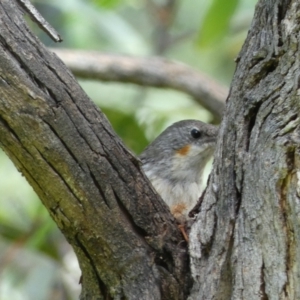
<point x="244" y="243"/>
<point x="124" y="236"/>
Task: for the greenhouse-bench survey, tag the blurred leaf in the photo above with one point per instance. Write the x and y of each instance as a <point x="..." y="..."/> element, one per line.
<point x="43" y="239"/>
<point x="9" y="232"/>
<point x="128" y="129"/>
<point x="216" y="21"/>
<point x="107" y="3"/>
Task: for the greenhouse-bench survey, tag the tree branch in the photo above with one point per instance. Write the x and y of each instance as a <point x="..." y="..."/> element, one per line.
<point x="39" y="19"/>
<point x="149" y="71"/>
<point x="126" y="241"/>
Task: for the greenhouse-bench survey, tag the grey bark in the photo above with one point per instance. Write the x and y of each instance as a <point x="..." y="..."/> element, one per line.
<point x="245" y="242"/>
<point x="124" y="236"/>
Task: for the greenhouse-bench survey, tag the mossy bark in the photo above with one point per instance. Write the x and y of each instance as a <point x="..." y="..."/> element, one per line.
<point x="124" y="236"/>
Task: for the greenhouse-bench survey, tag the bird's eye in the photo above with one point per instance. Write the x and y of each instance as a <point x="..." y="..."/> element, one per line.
<point x="195" y="133"/>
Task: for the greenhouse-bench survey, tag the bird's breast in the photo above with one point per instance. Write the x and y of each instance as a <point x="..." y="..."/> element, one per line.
<point x="181" y="197"/>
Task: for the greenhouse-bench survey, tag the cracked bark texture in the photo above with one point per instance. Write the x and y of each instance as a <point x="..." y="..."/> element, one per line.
<point x="124" y="236"/>
<point x="245" y="242"/>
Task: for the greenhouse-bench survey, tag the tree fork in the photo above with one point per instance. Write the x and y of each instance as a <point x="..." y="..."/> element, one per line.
<point x="244" y="244"/>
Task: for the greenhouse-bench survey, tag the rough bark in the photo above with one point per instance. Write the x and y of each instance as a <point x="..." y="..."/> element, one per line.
<point x="126" y="241"/>
<point x="245" y="242"/>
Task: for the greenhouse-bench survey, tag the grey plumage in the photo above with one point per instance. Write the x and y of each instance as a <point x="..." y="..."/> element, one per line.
<point x="175" y="160"/>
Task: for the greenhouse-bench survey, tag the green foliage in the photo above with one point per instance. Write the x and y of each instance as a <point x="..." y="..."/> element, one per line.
<point x="107" y="3"/>
<point x="216" y="21"/>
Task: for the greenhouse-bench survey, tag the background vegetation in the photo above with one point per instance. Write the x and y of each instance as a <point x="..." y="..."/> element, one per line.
<point x="35" y="260"/>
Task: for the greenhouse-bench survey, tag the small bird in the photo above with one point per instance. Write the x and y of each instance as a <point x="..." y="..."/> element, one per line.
<point x="174" y="163"/>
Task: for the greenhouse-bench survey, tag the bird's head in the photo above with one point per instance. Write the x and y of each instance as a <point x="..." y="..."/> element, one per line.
<point x="181" y="151"/>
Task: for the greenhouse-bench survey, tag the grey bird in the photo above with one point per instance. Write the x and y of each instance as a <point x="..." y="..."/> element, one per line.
<point x="174" y="163"/>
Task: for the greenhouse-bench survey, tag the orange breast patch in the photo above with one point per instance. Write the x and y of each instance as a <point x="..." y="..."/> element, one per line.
<point x="184" y="150"/>
<point x="178" y="209"/>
